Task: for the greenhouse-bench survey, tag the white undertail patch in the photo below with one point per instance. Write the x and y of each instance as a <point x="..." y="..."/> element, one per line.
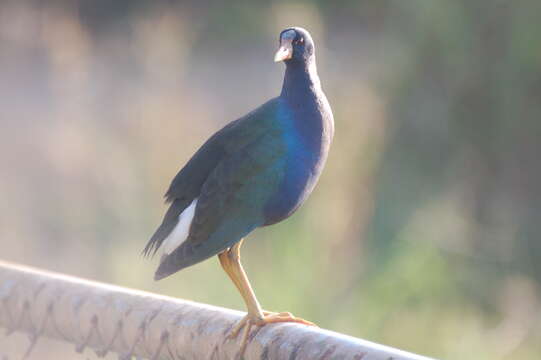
<point x="181" y="231"/>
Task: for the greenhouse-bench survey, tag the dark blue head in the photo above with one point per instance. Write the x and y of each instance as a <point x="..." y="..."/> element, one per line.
<point x="296" y="46"/>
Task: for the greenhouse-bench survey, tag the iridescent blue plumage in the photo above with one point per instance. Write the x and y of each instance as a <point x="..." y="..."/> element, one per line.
<point x="256" y="171"/>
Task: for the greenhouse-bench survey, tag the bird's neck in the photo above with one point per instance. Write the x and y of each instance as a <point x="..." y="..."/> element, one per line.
<point x="307" y="109"/>
<point x="300" y="79"/>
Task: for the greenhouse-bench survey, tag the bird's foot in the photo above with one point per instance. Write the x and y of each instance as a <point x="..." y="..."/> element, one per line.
<point x="253" y="320"/>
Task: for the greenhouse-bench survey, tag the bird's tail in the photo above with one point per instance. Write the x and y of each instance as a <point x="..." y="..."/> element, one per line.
<point x="170" y="220"/>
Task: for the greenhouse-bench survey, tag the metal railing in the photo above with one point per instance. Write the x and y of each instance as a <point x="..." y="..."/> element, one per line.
<point x="109" y="318"/>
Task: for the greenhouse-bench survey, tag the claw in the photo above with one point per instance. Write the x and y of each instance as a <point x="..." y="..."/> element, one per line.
<point x="286" y="317"/>
<point x="249" y="321"/>
<point x="237" y="328"/>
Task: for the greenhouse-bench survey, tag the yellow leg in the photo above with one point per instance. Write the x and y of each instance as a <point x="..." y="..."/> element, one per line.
<point x="230" y="261"/>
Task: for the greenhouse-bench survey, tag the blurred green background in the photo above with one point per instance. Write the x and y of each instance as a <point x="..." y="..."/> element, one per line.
<point x="423" y="233"/>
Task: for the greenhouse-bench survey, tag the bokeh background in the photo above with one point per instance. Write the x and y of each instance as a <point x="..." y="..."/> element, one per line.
<point x="423" y="232"/>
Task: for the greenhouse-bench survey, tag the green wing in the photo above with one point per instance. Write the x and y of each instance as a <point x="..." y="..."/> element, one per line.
<point x="188" y="183"/>
<point x="231" y="203"/>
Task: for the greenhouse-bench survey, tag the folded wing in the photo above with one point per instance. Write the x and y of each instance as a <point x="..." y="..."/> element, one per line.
<point x="231" y="203"/>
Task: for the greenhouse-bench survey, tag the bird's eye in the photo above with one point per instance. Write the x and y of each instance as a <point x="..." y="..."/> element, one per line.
<point x="300" y="41"/>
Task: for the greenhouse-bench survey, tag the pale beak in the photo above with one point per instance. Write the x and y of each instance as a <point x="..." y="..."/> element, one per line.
<point x="285" y="51"/>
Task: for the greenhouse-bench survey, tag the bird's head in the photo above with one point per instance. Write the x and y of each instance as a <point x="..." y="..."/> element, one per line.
<point x="296" y="46"/>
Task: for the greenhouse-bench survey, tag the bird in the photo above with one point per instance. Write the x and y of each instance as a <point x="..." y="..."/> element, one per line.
<point x="254" y="172"/>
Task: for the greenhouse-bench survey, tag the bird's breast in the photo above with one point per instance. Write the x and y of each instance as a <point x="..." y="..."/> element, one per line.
<point x="306" y="138"/>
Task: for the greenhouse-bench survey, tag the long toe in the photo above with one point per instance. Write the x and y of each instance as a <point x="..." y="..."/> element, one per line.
<point x="285" y="317"/>
<point x="249" y="321"/>
<point x="234" y="332"/>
